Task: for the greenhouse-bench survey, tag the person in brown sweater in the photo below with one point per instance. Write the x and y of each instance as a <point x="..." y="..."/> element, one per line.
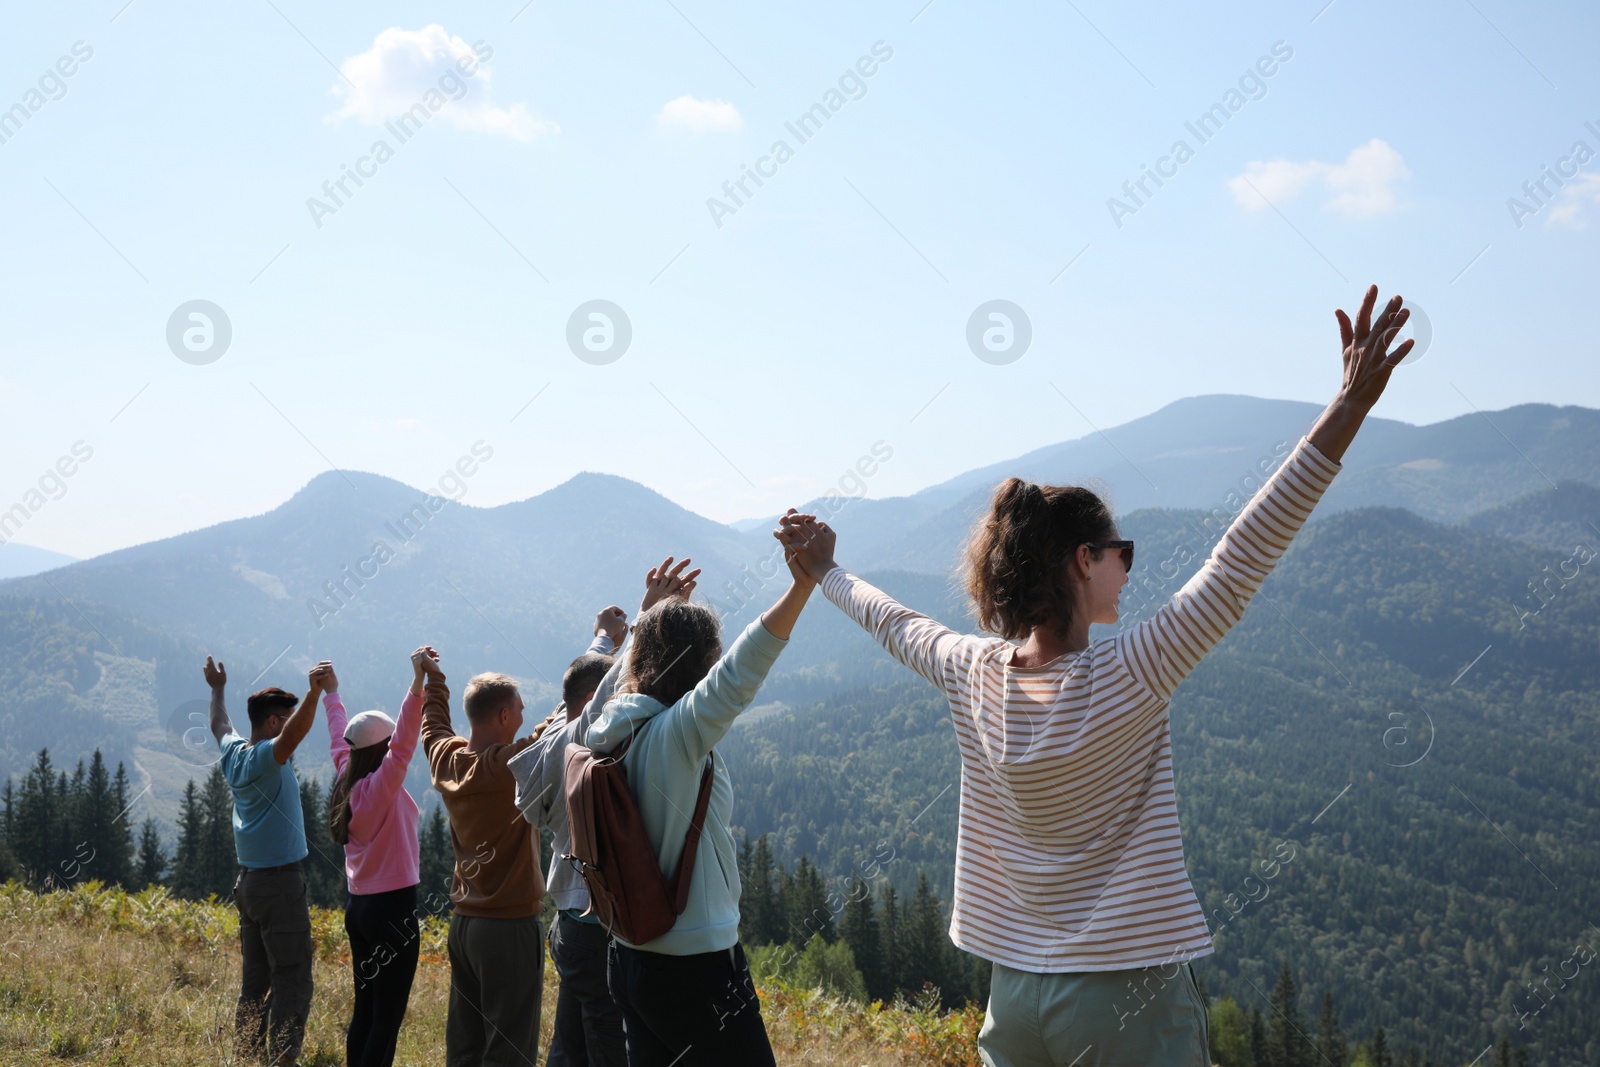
<point x="496" y="950"/>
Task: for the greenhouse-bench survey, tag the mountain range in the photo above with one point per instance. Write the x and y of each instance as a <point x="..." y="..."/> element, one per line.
<point x="1411" y="700"/>
<point x="362" y="568"/>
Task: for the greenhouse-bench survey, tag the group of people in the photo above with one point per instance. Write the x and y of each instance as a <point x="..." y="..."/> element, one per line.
<point x="1069" y="876"/>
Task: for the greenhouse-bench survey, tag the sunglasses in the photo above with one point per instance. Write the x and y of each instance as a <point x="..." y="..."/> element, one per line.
<point x="1125" y="546"/>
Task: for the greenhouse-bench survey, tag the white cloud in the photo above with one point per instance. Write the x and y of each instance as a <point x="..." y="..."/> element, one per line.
<point x="1360" y="187"/>
<point x="1277" y="180"/>
<point x="699" y="115"/>
<point x="1568" y="207"/>
<point x="409" y="69"/>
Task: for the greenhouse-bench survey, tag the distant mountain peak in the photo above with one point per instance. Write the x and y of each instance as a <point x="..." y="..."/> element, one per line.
<point x="587" y="479"/>
<point x="341" y="483"/>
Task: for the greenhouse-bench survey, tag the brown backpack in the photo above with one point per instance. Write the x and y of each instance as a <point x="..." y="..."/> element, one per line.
<point x="610" y="849"/>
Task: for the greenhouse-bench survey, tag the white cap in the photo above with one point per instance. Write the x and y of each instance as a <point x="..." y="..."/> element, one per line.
<point x="368" y="728"/>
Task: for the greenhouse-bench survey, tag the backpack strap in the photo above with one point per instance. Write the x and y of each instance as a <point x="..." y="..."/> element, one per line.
<point x="691" y="840"/>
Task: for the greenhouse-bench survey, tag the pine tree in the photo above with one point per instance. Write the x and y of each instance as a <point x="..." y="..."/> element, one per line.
<point x="1260" y="1052"/>
<point x="806" y="907"/>
<point x="783" y="905"/>
<point x="219" y="858"/>
<point x="80" y="778"/>
<point x="95" y="853"/>
<point x="890" y="955"/>
<point x="928" y="952"/>
<point x="121" y="843"/>
<point x="1332" y="1049"/>
<point x="758" y="903"/>
<point x="1379" y="1054"/>
<point x="152" y="860"/>
<point x="1286" y="1038"/>
<point x="742" y="861"/>
<point x="60" y="858"/>
<point x="324" y="863"/>
<point x="39" y="825"/>
<point x="859" y="928"/>
<point x="188" y="866"/>
<point x="8" y="859"/>
<point x="438" y="863"/>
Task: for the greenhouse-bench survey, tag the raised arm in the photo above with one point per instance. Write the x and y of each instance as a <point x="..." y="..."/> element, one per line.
<point x="381" y="785"/>
<point x="299" y="722"/>
<point x="706" y="713"/>
<point x="333" y="708"/>
<point x="923" y="644"/>
<point x="216" y="676"/>
<point x="611" y="631"/>
<point x="436" y="728"/>
<point x="1161" y="651"/>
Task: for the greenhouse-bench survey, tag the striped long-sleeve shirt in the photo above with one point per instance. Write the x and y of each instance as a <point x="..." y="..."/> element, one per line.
<point x="1069" y="856"/>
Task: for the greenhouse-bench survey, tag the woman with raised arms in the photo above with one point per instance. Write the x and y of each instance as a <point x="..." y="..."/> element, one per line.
<point x="1069" y="866"/>
<point x="687" y="997"/>
<point x="372" y="815"/>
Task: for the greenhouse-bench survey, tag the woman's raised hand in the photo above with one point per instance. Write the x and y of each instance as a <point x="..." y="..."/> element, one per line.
<point x="425" y="661"/>
<point x="807" y="543"/>
<point x="1365" y="345"/>
<point x="321" y="677"/>
<point x="667" y="580"/>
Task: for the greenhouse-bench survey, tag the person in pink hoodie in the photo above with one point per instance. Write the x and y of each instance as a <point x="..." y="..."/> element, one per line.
<point x="375" y="819"/>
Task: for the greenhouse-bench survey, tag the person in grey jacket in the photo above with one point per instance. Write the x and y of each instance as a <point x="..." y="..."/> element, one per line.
<point x="588" y="1024"/>
<point x="687" y="997"/>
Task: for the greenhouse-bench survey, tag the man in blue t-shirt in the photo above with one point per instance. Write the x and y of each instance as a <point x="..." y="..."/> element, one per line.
<point x="270" y="838"/>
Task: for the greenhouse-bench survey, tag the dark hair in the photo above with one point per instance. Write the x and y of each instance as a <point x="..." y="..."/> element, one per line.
<point x="583" y="676"/>
<point x="363" y="761"/>
<point x="1015" y="558"/>
<point x="268" y="702"/>
<point x="675" y="643"/>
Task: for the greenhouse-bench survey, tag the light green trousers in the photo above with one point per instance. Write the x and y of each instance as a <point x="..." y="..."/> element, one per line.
<point x="1150" y="1017"/>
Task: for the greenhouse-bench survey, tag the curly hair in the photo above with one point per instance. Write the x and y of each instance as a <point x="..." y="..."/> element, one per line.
<point x="1014" y="560"/>
<point x="675" y="643"/>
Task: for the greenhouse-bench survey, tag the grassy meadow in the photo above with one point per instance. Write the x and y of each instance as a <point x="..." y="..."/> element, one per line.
<point x="99" y="976"/>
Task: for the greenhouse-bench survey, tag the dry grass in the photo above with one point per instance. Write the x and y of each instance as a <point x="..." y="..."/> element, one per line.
<point x="97" y="976"/>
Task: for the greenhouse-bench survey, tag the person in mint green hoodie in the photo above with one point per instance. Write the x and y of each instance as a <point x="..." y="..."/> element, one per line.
<point x="687" y="997"/>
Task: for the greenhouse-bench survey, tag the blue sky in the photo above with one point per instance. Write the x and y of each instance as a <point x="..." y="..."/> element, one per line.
<point x="828" y="311"/>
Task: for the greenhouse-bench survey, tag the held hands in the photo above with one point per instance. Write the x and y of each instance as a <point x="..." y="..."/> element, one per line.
<point x="322" y="679"/>
<point x="808" y="545"/>
<point x="613" y="622"/>
<point x="215" y="674"/>
<point x="1367" y="360"/>
<point x="667" y="580"/>
<point x="425" y="666"/>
